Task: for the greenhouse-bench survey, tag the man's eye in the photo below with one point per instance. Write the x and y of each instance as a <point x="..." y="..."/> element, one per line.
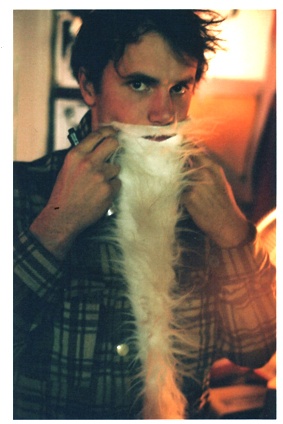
<point x="139" y="86"/>
<point x="179" y="89"/>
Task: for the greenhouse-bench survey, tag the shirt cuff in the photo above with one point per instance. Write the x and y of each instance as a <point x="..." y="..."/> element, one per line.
<point x="242" y="261"/>
<point x="35" y="266"/>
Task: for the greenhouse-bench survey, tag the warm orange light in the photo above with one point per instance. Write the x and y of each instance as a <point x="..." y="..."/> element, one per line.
<point x="248" y="42"/>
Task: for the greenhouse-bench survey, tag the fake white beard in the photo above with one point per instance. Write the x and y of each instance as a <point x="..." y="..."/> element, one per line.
<point x="153" y="177"/>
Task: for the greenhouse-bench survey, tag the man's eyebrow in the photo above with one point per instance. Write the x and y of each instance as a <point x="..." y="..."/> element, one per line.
<point x="135" y="76"/>
<point x="139" y="76"/>
<point x="189" y="80"/>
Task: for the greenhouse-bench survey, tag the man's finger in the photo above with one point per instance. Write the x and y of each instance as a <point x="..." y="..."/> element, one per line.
<point x="94" y="139"/>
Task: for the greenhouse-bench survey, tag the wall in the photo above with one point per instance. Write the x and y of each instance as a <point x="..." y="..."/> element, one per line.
<point x="235" y="99"/>
<point x="32" y="79"/>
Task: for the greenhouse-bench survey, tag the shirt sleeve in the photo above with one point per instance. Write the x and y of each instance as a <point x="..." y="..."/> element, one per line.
<point x="37" y="281"/>
<point x="245" y="281"/>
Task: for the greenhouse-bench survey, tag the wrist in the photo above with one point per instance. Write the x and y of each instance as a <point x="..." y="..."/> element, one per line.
<point x="240" y="236"/>
<point x="52" y="235"/>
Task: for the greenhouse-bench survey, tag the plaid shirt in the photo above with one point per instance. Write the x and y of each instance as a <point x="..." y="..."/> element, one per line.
<point x="71" y="316"/>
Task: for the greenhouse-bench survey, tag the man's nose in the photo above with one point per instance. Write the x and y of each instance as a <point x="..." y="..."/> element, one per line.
<point x="161" y="109"/>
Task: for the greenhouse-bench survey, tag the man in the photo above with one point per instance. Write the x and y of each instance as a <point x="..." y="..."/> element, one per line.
<point x="88" y="344"/>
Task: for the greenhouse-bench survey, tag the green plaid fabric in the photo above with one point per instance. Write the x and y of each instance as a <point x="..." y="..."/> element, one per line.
<point x="69" y="317"/>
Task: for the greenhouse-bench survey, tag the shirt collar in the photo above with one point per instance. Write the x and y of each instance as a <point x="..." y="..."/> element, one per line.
<point x="84" y="127"/>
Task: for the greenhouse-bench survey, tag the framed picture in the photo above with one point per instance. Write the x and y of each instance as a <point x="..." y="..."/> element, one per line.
<point x="67" y="26"/>
<point x="68" y="113"/>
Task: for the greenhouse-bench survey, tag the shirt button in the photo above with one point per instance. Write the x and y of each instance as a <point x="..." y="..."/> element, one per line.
<point x="122" y="349"/>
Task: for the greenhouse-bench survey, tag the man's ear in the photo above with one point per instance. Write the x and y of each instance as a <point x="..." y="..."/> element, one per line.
<point x="87" y="88"/>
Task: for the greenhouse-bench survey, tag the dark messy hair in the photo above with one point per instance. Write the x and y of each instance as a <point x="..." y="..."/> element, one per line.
<point x="105" y="34"/>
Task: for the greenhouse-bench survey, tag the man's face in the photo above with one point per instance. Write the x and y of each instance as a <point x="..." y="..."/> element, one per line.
<point x="150" y="86"/>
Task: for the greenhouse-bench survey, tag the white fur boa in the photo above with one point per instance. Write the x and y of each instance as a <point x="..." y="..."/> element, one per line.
<point x="153" y="176"/>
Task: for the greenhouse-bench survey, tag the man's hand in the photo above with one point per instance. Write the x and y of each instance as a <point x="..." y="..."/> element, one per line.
<point x="212" y="206"/>
<point x="84" y="190"/>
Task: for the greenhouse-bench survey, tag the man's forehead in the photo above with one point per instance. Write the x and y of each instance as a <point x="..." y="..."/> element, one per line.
<point x="153" y="54"/>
